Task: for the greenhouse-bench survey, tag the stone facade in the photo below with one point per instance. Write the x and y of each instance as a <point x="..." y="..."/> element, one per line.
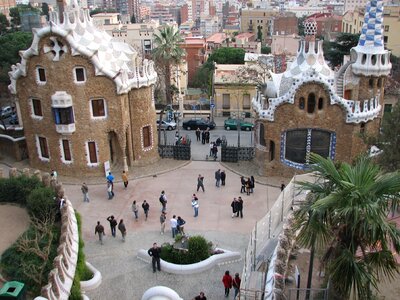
<point x="79" y="112"/>
<point x="311" y="109"/>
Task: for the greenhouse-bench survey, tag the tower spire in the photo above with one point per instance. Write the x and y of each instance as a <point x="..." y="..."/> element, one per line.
<point x="370" y="56"/>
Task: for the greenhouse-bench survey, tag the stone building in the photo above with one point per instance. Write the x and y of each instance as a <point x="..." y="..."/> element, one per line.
<point x="310" y="108"/>
<point x="84" y="99"/>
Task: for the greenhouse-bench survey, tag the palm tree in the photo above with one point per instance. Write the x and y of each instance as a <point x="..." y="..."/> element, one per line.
<point x="346" y="216"/>
<point x="168" y="53"/>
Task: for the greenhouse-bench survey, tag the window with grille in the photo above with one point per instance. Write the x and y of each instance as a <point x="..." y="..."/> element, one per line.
<point x="92" y="152"/>
<point x="37" y="107"/>
<point x="43" y="147"/>
<point x="146" y="136"/>
<point x="300" y="143"/>
<point x="41" y="74"/>
<point x="66" y="150"/>
<point x="98" y="108"/>
<point x="80" y="74"/>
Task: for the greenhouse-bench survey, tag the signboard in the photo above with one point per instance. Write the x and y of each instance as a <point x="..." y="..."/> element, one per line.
<point x="107" y="168"/>
<point x="212" y="105"/>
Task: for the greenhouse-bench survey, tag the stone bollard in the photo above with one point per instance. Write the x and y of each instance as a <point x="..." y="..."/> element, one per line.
<point x="13" y="172"/>
<point x="1" y="173"/>
<point x="26" y="172"/>
<point x="37" y="174"/>
<point x="46" y="179"/>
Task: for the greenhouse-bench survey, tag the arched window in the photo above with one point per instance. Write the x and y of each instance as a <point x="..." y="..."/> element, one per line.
<point x="311" y="103"/>
<point x="320" y="103"/>
<point x="302" y="103"/>
<point x="371" y="83"/>
<point x="362" y="127"/>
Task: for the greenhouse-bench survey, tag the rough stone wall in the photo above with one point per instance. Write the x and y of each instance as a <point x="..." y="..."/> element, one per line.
<point x="330" y="118"/>
<point x="60" y="77"/>
<point x="142" y="113"/>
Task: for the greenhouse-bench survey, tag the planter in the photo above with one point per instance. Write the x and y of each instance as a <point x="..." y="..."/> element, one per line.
<point x="223" y="258"/>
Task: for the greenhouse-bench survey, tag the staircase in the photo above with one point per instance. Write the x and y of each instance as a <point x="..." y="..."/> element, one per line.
<point x="340" y="78"/>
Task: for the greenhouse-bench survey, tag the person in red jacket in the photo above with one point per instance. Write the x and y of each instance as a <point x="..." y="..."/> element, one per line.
<point x="227" y="281"/>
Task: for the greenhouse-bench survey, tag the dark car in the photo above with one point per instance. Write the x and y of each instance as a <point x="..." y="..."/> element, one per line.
<point x="198" y="123"/>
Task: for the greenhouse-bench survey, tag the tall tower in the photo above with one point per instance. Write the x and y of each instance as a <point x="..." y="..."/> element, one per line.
<point x="370" y="56"/>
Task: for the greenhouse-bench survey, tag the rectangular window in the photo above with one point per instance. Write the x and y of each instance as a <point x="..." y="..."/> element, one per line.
<point x="385" y="39"/>
<point x="226" y="101"/>
<point x="98" y="108"/>
<point x="63" y="116"/>
<point x="80" y="74"/>
<point x="92" y="152"/>
<point x="44" y="150"/>
<point x="146" y="136"/>
<point x="246" y="101"/>
<point x="388" y="108"/>
<point x="41" y="74"/>
<point x="66" y="150"/>
<point x="37" y="107"/>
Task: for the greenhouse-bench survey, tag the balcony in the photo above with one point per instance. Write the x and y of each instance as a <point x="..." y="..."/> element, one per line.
<point x="65" y="128"/>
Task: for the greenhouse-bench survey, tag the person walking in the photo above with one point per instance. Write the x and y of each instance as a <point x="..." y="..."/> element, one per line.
<point x="234" y="205"/>
<point x="135" y="209"/>
<point x="201" y="296"/>
<point x="99" y="229"/>
<point x="122" y="228"/>
<point x="217" y="177"/>
<point x="110" y="178"/>
<point x="236" y="285"/>
<point x="198" y="133"/>
<point x="239" y="207"/>
<point x="211" y="149"/>
<point x="163" y="201"/>
<point x="223" y="177"/>
<point x="200" y="182"/>
<point x="109" y="190"/>
<point x="85" y="192"/>
<point x="146" y="208"/>
<point x="248" y="186"/>
<point x="282" y="186"/>
<point x="113" y="225"/>
<point x="174" y="224"/>
<point x="195" y="205"/>
<point x="163" y="219"/>
<point x="124" y="177"/>
<point x="155" y="252"/>
<point x="207" y="135"/>
<point x="180" y="225"/>
<point x="227" y="281"/>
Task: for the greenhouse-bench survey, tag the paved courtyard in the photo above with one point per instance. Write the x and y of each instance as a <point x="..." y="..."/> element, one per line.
<point x="126" y="277"/>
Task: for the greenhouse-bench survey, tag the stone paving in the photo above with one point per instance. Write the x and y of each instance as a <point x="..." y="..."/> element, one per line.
<point x="126" y="277"/>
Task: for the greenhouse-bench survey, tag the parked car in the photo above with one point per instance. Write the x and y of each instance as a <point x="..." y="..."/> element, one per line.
<point x="168" y="125"/>
<point x="198" y="123"/>
<point x="231" y="124"/>
<point x="13" y="119"/>
<point x="6" y="111"/>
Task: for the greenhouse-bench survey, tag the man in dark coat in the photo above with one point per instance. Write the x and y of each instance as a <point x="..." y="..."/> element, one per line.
<point x="155" y="252"/>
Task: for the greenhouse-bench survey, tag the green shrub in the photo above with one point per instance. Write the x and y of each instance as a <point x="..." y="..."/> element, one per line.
<point x="41" y="203"/>
<point x="27" y="266"/>
<point x="17" y="189"/>
<point x="198" y="249"/>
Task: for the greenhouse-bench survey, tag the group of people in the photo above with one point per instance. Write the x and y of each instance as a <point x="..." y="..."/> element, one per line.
<point x="99" y="229"/>
<point x="237" y="207"/>
<point x="230" y="282"/>
<point x="145" y="207"/>
<point x="205" y="135"/>
<point x="247" y="186"/>
<point x="220" y="177"/>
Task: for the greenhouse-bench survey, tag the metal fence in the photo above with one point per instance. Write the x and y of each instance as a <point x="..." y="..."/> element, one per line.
<point x="308" y="294"/>
<point x="264" y="236"/>
<point x="179" y="152"/>
<point x="235" y="154"/>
